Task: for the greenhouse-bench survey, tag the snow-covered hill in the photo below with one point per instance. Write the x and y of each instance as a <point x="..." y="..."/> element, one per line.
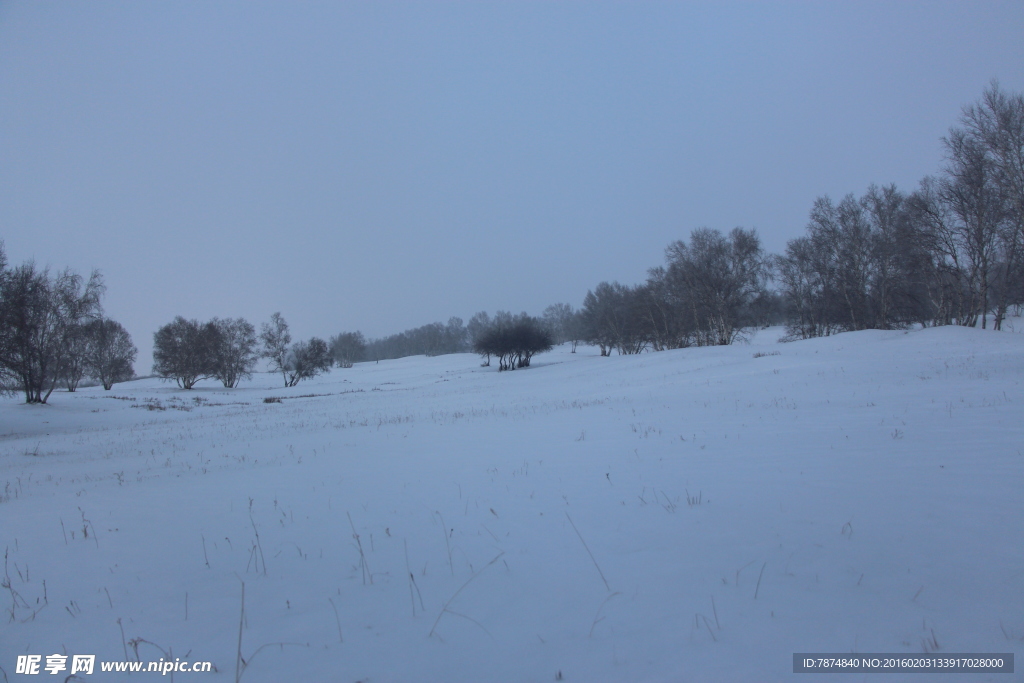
<point x="699" y="514"/>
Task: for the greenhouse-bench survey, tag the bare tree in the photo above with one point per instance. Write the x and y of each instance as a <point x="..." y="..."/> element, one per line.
<point x="110" y="353"/>
<point x="514" y="340"/>
<point x="559" y="319"/>
<point x="883" y="211"/>
<point x="899" y="264"/>
<point x="718" y="278"/>
<point x="970" y="189"/>
<point x="668" y="310"/>
<point x="943" y="268"/>
<point x="236" y="351"/>
<point x="455" y="336"/>
<point x="295" y="362"/>
<point x="40" y="316"/>
<point x="565" y="324"/>
<point x="808" y="284"/>
<point x="996" y="125"/>
<point x="613" y="316"/>
<point x="601" y="315"/>
<point x="872" y="262"/>
<point x="475" y="329"/>
<point x="306" y="360"/>
<point x="347" y="348"/>
<point x="73" y="365"/>
<point x="276" y="341"/>
<point x="186" y="351"/>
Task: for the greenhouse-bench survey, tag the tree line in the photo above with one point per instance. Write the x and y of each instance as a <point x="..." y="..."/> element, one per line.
<point x="707" y="293"/>
<point x="512" y="339"/>
<point x="949" y="253"/>
<point x="228" y="350"/>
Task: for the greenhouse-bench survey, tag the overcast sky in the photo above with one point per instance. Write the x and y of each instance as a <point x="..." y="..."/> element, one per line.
<point x="380" y="166"/>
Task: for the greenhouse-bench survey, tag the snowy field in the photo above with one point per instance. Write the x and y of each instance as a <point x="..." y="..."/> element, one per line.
<point x="692" y="515"/>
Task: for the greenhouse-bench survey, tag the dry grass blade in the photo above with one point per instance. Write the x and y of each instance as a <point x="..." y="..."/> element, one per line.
<point x="758" y="588"/>
<point x="363" y="566"/>
<point x="462" y="588"/>
<point x="597" y="617"/>
<point x="593" y="559"/>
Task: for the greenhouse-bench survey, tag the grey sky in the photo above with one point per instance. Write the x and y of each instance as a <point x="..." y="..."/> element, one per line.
<point x="378" y="166"/>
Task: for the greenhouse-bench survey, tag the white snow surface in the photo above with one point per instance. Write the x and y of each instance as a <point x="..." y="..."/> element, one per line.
<point x="857" y="493"/>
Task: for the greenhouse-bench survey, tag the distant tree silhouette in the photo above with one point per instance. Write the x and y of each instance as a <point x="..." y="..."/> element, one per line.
<point x="475" y="329"/>
<point x="514" y="340"/>
<point x="347" y="348"/>
<point x="307" y="359"/>
<point x="435" y="339"/>
<point x="186" y="351"/>
<point x="73" y="368"/>
<point x="276" y="341"/>
<point x="40" y="315"/>
<point x="236" y="352"/>
<point x="110" y="353"/>
<point x="563" y="323"/>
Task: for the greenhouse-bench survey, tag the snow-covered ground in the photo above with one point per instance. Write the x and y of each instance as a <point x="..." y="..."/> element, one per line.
<point x="699" y="514"/>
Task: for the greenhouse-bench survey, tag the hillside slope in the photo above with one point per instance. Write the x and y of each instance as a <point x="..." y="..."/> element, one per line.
<point x="699" y="514"/>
